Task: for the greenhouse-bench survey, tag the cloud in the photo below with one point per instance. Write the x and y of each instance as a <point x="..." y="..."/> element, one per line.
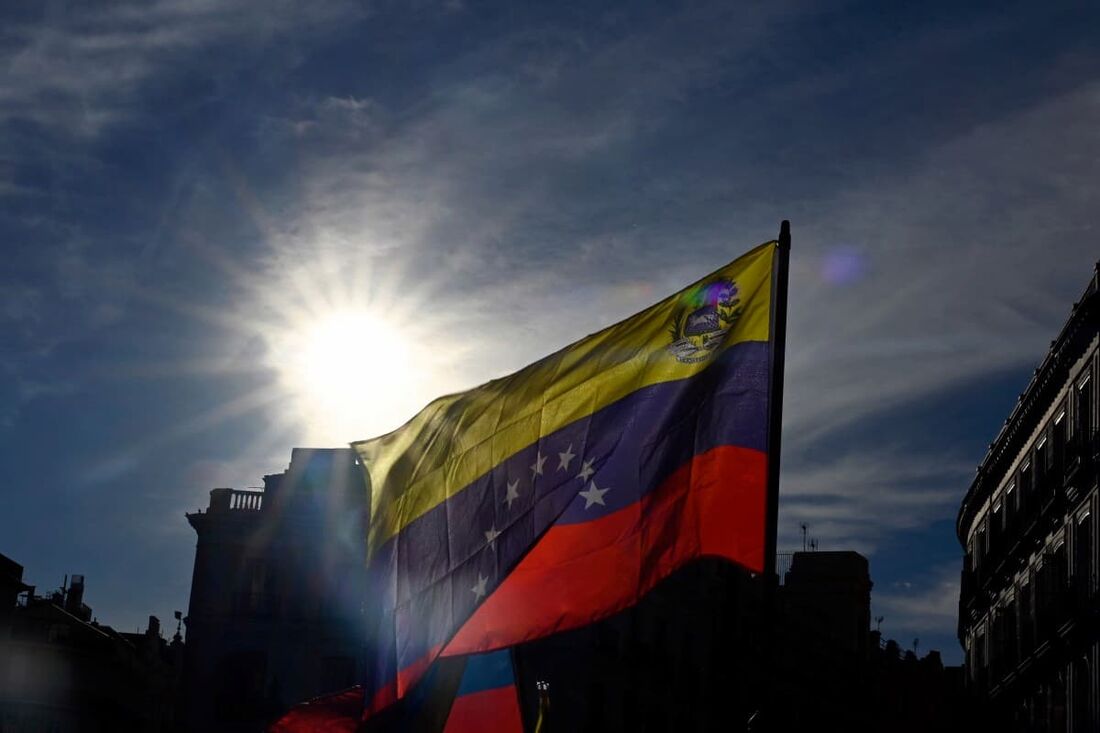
<point x="928" y="605"/>
<point x="973" y="256"/>
<point x="21" y="304"/>
<point x="958" y="288"/>
<point x="865" y="496"/>
<point x="74" y="294"/>
<point x="77" y="70"/>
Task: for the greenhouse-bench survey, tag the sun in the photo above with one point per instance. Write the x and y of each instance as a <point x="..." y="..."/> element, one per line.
<point x="350" y="350"/>
<point x="332" y="347"/>
<point x="350" y="372"/>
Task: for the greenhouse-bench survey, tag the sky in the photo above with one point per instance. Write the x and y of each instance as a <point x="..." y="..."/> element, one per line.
<point x="199" y="198"/>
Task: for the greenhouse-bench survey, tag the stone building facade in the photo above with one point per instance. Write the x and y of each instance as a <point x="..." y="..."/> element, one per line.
<point x="1029" y="617"/>
<point x="276" y="609"/>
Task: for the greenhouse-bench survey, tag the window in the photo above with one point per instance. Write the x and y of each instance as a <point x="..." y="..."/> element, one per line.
<point x="1026" y="612"/>
<point x="1058" y="445"/>
<point x="1082" y="691"/>
<point x="980" y="659"/>
<point x="1011" y="507"/>
<point x="1082" y="558"/>
<point x="996" y="523"/>
<point x="1043" y="588"/>
<point x="1041" y="459"/>
<point x="1027" y="487"/>
<point x="1058" y="583"/>
<point x="996" y="644"/>
<point x="1012" y="636"/>
<point x="255" y="598"/>
<point x="1082" y="412"/>
<point x="979" y="547"/>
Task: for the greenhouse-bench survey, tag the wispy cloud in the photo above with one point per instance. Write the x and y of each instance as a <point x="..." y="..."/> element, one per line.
<point x="865" y="496"/>
<point x="956" y="285"/>
<point x="926" y="605"/>
<point x="77" y="68"/>
<point x="969" y="261"/>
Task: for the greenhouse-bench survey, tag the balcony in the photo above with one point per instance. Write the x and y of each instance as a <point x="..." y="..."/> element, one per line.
<point x="1051" y="491"/>
<point x="235" y="500"/>
<point x="1079" y="470"/>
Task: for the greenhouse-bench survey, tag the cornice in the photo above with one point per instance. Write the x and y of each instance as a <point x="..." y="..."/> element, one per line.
<point x="1075" y="336"/>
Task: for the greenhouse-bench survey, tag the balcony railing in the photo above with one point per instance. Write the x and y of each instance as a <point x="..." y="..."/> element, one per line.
<point x="782" y="565"/>
<point x="235" y="500"/>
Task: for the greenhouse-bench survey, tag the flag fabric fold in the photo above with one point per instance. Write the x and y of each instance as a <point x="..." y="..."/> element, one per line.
<point x="560" y="494"/>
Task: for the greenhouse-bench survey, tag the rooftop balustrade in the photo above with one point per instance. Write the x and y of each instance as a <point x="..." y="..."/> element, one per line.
<point x="235" y="500"/>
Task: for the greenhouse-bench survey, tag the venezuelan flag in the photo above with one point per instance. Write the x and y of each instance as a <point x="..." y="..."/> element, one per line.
<point x="486" y="699"/>
<point x="560" y="494"/>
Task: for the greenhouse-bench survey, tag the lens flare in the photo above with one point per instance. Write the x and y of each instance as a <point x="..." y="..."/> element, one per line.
<point x="350" y="373"/>
<point x="345" y="351"/>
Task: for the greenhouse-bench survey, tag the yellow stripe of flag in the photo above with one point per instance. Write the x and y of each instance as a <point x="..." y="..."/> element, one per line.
<point x="460" y="437"/>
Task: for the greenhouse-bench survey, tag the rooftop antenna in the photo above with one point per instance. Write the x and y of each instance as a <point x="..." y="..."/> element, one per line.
<point x="878" y="623"/>
<point x="805" y="527"/>
<point x="813" y="545"/>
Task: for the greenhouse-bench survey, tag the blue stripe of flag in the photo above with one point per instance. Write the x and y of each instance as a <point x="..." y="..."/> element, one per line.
<point x="487" y="672"/>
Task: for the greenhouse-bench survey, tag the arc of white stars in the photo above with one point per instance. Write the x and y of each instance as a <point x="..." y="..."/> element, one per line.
<point x="564" y="459"/>
<point x="586" y="470"/>
<point x="479" y="587"/>
<point x="593" y="495"/>
<point x="511" y="493"/>
<point x="536" y="467"/>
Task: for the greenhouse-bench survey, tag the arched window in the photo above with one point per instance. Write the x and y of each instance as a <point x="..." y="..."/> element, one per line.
<point x="1083" y="691"/>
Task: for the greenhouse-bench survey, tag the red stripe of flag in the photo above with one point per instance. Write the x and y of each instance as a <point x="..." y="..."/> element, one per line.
<point x="495" y="710"/>
<point x="578" y="573"/>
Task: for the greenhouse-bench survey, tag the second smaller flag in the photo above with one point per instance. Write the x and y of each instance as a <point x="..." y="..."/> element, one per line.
<point x="487" y="699"/>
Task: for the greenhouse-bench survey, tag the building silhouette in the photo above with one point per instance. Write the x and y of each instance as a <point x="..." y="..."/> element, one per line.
<point x="823" y="638"/>
<point x="701" y="652"/>
<point x="689" y="656"/>
<point x="62" y="671"/>
<point x="1029" y="617"/>
<point x="831" y="670"/>
<point x="276" y="609"/>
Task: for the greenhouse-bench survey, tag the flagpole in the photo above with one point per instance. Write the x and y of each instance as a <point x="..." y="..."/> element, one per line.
<point x="770" y="578"/>
<point x="775" y="396"/>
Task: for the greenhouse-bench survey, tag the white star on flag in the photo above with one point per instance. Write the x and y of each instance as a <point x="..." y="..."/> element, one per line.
<point x="586" y="471"/>
<point x="593" y="495"/>
<point x="479" y="587"/>
<point x="491" y="535"/>
<point x="512" y="492"/>
<point x="536" y="467"/>
<point x="564" y="459"/>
